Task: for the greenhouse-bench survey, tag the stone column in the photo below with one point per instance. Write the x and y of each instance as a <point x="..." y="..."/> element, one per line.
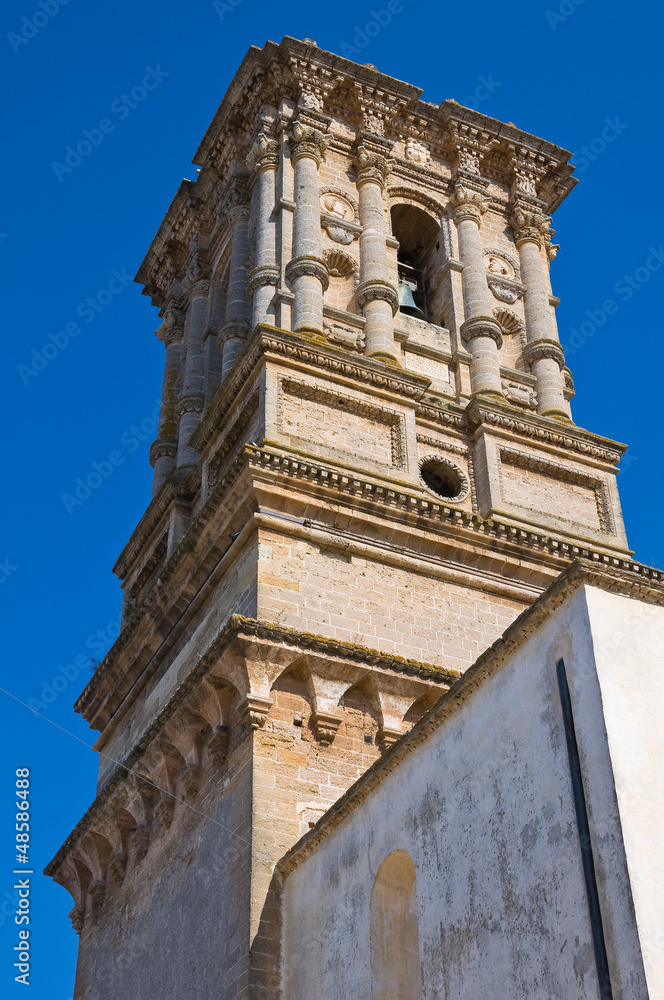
<point x="376" y="295"/>
<point x="233" y="333"/>
<point x="307" y="272"/>
<point x="264" y="278"/>
<point x="164" y="450"/>
<point x="192" y="397"/>
<point x="543" y="351"/>
<point x="479" y="332"/>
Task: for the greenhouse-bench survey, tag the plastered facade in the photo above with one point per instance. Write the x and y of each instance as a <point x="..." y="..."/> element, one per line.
<point x="480" y="797"/>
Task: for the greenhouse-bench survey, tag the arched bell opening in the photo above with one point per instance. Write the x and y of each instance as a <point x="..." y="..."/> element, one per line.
<point x="418" y="236"/>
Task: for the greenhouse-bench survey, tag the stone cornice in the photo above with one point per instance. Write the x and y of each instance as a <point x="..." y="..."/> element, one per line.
<point x="645" y="584"/>
<point x="545" y="430"/>
<point x="172" y="490"/>
<point x="404" y="503"/>
<point x="282" y="343"/>
<point x="239" y="628"/>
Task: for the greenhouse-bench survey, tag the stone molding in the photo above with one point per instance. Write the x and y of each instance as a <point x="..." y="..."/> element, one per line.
<point x="454" y="449"/>
<point x="464" y="481"/>
<point x="326" y="396"/>
<point x="481" y="326"/>
<point x="265" y="274"/>
<point x="128" y="792"/>
<point x="162" y="448"/>
<point x="529" y="462"/>
<point x="544" y="348"/>
<point x="377" y="288"/>
<point x="192" y="402"/>
<point x="546" y="430"/>
<point x="230" y="439"/>
<point x="307" y="264"/>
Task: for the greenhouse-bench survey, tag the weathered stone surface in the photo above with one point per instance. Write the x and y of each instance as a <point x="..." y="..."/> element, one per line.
<point x="351" y="502"/>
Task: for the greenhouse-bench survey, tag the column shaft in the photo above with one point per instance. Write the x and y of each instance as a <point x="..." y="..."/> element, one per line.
<point x="376" y="295"/>
<point x="480" y="331"/>
<point x="264" y="279"/>
<point x="164" y="449"/>
<point x="307" y="272"/>
<point x="236" y="324"/>
<point x="543" y="351"/>
<point x="192" y="397"/>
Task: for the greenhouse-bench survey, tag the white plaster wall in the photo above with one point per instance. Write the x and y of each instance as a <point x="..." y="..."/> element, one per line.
<point x="485" y="809"/>
<point x="628" y="638"/>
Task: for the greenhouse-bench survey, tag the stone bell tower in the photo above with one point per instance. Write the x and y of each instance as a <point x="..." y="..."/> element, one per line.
<point x="366" y="468"/>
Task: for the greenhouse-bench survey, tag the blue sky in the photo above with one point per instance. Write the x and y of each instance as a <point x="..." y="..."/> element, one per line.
<point x="584" y="75"/>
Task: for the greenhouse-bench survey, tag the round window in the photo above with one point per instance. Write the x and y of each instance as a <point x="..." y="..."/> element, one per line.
<point x="442" y="477"/>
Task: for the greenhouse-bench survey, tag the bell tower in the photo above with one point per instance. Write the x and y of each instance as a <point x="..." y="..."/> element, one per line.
<point x="366" y="468"/>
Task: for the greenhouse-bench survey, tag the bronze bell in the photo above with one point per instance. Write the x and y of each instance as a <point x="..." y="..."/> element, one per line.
<point x="407" y="303"/>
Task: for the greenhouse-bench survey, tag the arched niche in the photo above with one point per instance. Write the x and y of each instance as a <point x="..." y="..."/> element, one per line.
<point x="395" y="947"/>
<point x="418" y="234"/>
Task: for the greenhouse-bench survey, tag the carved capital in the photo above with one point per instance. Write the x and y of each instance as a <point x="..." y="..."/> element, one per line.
<point x="544" y="349"/>
<point x="77" y="917"/>
<point x="307" y="264"/>
<point x="266" y="274"/>
<point x="254" y="711"/>
<point x="165" y="809"/>
<point x="171" y="330"/>
<point x="481" y="326"/>
<point x="162" y="448"/>
<point x="237" y="203"/>
<point x="529" y="223"/>
<point x="325" y="727"/>
<point x="193" y="402"/>
<point x="307" y="141"/>
<point x="372" y="166"/>
<point x="387" y="737"/>
<point x="376" y="288"/>
<point x="264" y="153"/>
<point x="468" y="203"/>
